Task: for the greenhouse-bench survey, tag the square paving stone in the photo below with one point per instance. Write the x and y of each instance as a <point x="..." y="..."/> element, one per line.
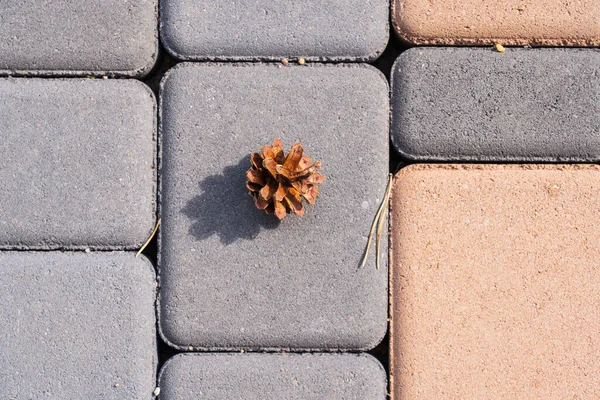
<point x="334" y="30"/>
<point x="273" y="376"/>
<point x="513" y="22"/>
<point x="77" y="163"/>
<point x="233" y="277"/>
<point x="495" y="282"/>
<point x="77" y="326"/>
<point x="72" y="37"/>
<point x="474" y="104"/>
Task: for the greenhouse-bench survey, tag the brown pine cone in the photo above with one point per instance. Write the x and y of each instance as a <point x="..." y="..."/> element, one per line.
<point x="278" y="182"/>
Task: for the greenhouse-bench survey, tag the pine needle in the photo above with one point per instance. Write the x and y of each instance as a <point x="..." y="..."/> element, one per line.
<point x="149" y="239"/>
<point x="386" y="202"/>
<point x="375" y="223"/>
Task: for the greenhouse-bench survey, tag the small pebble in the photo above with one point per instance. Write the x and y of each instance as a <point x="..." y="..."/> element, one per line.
<point x="284" y="61"/>
<point x="499" y="48"/>
<point x="156" y="391"/>
<point x="301" y="61"/>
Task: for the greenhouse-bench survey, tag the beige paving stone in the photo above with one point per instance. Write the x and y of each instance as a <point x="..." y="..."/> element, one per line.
<point x="495" y="282"/>
<point x="510" y="22"/>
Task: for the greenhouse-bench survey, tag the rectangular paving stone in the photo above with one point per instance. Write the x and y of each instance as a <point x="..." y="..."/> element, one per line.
<point x="494" y="282"/>
<point x="77" y="326"/>
<point x="273" y="376"/>
<point x="473" y="104"/>
<point x="512" y="22"/>
<point x="72" y="37"/>
<point x="335" y="30"/>
<point x="77" y="163"/>
<point x="233" y="277"/>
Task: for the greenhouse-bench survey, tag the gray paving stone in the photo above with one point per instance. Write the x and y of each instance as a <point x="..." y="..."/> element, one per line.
<point x="76" y="163"/>
<point x="476" y="104"/>
<point x="273" y="376"/>
<point x="72" y="37"/>
<point x="334" y="30"/>
<point x="233" y="277"/>
<point x="77" y="326"/>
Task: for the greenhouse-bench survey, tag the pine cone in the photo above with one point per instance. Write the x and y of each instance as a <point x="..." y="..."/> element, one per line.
<point x="277" y="183"/>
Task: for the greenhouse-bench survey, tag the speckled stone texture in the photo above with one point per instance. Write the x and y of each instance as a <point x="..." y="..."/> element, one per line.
<point x="233" y="277"/>
<point x="273" y="376"/>
<point x="77" y="163"/>
<point x="495" y="282"/>
<point x="77" y="326"/>
<point x="511" y="22"/>
<point x="333" y="30"/>
<point x="74" y="37"/>
<point x="474" y="104"/>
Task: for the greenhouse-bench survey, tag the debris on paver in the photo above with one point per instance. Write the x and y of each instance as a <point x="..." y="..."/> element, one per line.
<point x="499" y="48"/>
<point x="335" y="30"/>
<point x="77" y="163"/>
<point x="108" y="37"/>
<point x="273" y="376"/>
<point x="73" y="323"/>
<point x="301" y="61"/>
<point x="497" y="285"/>
<point x="208" y="218"/>
<point x="279" y="182"/>
<point x="472" y="104"/>
<point x="481" y="23"/>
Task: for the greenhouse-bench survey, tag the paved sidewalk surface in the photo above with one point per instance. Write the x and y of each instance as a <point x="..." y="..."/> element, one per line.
<point x="511" y="22"/>
<point x="77" y="326"/>
<point x="75" y="37"/>
<point x="233" y="277"/>
<point x="476" y="104"/>
<point x="495" y="295"/>
<point x="77" y="163"/>
<point x="333" y="30"/>
<point x="273" y="376"/>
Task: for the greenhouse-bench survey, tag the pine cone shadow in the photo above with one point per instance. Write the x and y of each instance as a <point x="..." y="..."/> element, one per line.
<point x="224" y="207"/>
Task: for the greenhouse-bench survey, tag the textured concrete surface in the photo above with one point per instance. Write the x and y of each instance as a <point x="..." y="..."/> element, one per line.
<point x="77" y="163"/>
<point x="273" y="376"/>
<point x="495" y="295"/>
<point x="233" y="277"/>
<point x="72" y="37"/>
<point x="76" y="326"/>
<point x="478" y="104"/>
<point x="512" y="22"/>
<point x="317" y="30"/>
